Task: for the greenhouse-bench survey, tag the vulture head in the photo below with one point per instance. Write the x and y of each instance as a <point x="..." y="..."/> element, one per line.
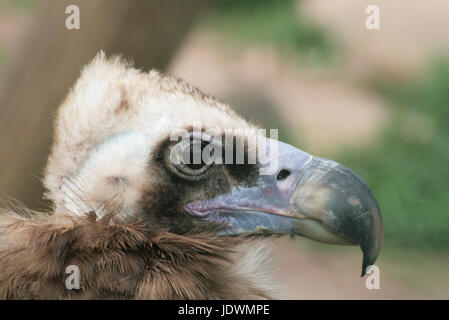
<point x="156" y="150"/>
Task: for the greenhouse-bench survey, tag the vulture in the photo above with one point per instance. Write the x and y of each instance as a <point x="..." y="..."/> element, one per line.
<point x="159" y="191"/>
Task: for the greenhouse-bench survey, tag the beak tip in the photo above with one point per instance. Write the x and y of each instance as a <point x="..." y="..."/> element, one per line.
<point x="365" y="265"/>
<point x="371" y="250"/>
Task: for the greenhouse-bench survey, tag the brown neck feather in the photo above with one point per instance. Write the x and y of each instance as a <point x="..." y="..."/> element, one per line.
<point x="126" y="261"/>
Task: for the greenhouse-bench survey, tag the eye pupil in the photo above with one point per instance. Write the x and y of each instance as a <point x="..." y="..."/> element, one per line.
<point x="195" y="165"/>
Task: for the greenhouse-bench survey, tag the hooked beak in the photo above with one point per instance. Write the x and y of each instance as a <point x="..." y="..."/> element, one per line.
<point x="305" y="195"/>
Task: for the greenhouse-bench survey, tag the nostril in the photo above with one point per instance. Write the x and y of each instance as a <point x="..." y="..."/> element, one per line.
<point x="283" y="174"/>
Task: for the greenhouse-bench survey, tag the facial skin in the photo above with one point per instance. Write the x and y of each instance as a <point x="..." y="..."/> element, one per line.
<point x="166" y="207"/>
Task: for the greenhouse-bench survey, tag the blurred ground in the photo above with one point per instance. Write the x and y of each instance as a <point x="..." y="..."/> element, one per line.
<point x="317" y="271"/>
<point x="322" y="110"/>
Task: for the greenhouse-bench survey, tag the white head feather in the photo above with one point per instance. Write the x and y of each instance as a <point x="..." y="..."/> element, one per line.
<point x="107" y="127"/>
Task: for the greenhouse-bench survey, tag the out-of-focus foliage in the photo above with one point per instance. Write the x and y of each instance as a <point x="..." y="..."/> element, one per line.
<point x="277" y="22"/>
<point x="409" y="169"/>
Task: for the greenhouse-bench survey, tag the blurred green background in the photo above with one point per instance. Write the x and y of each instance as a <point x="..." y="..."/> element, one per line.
<point x="376" y="101"/>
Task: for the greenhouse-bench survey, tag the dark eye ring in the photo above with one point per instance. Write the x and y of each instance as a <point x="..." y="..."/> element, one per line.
<point x="192" y="163"/>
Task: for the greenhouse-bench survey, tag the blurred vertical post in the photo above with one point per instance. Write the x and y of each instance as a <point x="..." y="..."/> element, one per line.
<point x="48" y="62"/>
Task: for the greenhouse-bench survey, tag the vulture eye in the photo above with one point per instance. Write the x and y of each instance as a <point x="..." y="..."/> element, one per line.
<point x="192" y="158"/>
